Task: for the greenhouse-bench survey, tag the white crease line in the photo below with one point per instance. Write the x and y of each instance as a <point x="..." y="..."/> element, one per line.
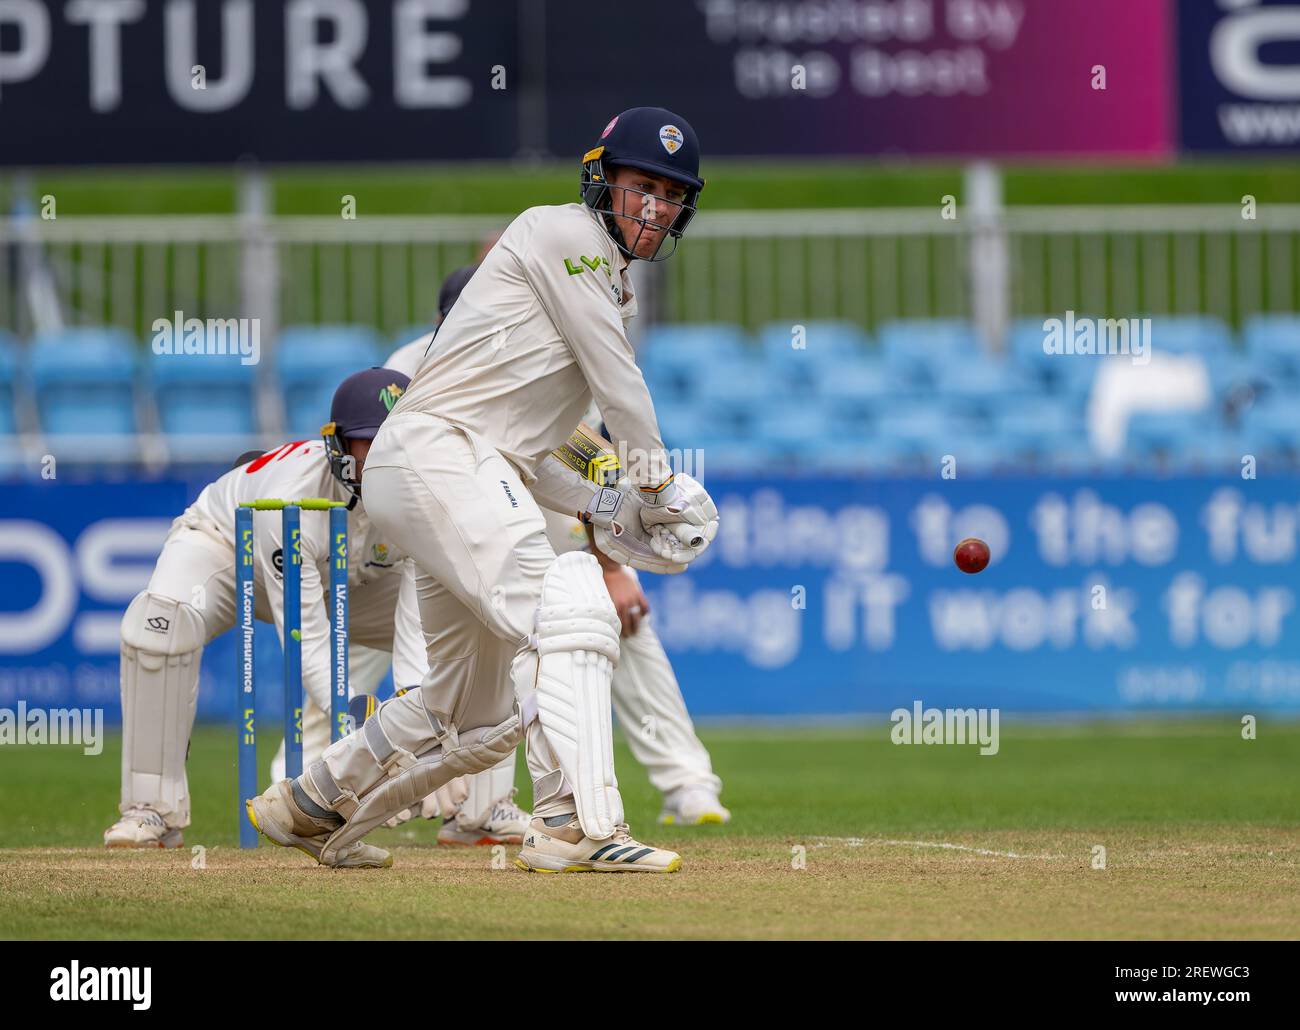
<point x="857" y="842"/>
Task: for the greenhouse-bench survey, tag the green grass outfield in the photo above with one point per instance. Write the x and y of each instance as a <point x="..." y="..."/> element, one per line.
<point x="506" y="188"/>
<point x="1200" y="829"/>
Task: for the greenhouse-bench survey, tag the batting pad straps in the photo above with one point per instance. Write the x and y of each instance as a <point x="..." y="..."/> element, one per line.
<point x="475" y="750"/>
<point x="387" y="754"/>
<point x="578" y="627"/>
<point x="337" y="800"/>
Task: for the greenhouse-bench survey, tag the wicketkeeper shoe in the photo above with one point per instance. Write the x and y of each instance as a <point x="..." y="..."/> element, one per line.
<point x="692" y="806"/>
<point x="566" y="849"/>
<point x="141" y="827"/>
<point x="278" y="817"/>
<point x="504" y="823"/>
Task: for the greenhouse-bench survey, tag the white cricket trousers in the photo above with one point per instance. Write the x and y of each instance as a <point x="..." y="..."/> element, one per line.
<point x="452" y="503"/>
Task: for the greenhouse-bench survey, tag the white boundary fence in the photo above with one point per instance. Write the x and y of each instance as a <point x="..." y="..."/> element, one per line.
<point x="750" y="267"/>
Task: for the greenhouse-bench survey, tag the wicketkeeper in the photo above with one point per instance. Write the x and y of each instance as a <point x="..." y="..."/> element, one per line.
<point x="190" y="600"/>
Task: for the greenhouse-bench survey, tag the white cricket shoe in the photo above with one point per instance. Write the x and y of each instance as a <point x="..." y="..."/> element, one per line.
<point x="693" y="806"/>
<point x="566" y="849"/>
<point x="141" y="827"/>
<point x="278" y="818"/>
<point x="505" y="823"/>
<point x="404" y="816"/>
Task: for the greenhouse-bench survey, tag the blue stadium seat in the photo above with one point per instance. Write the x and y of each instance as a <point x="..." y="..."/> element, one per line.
<point x="308" y="408"/>
<point x="917" y="347"/>
<point x="735" y="391"/>
<point x="853" y="394"/>
<point x="1025" y="338"/>
<point x="1189" y="334"/>
<point x="678" y="355"/>
<point x="1270" y="427"/>
<point x="794" y="432"/>
<point x="306" y="354"/>
<point x="311" y="361"/>
<point x="921" y="432"/>
<point x="1042" y="431"/>
<point x="825" y="345"/>
<point x="200" y="396"/>
<point x="979" y="385"/>
<point x="1234" y="368"/>
<point x="667" y="389"/>
<point x="1068" y="375"/>
<point x="1212" y="447"/>
<point x="733" y="454"/>
<point x="854" y="382"/>
<point x="1274" y="342"/>
<point x="1219" y="448"/>
<point x="980" y="452"/>
<point x="682" y="423"/>
<point x="860" y="453"/>
<point x="8" y="383"/>
<point x="1164" y="432"/>
<point x="85" y="380"/>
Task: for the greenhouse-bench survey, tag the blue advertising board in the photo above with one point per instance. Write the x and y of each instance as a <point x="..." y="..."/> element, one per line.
<point x="1239" y="75"/>
<point x="818" y="597"/>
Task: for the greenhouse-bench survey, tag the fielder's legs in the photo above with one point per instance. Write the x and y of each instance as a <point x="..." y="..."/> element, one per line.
<point x="660" y="734"/>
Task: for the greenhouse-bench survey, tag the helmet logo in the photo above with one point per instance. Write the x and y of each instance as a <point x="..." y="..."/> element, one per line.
<point x="672" y="139"/>
<point x="389" y="395"/>
<point x="610" y="127"/>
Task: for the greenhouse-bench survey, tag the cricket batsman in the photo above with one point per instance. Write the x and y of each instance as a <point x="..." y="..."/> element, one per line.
<point x="646" y="696"/>
<point x="521" y="643"/>
<point x="190" y="600"/>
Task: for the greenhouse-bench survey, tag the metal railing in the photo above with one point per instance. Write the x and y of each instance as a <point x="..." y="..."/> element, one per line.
<point x="865" y="266"/>
<point x="746" y="267"/>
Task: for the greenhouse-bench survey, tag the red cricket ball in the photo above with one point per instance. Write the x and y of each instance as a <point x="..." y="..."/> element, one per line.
<point x="971" y="555"/>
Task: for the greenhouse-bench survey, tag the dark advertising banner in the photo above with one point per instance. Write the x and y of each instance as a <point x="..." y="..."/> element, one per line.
<point x="207" y="81"/>
<point x="1240" y="75"/>
<point x="217" y="81"/>
<point x="930" y="77"/>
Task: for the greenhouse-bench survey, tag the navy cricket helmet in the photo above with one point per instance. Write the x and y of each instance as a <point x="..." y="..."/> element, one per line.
<point x="361" y="403"/>
<point x="654" y="140"/>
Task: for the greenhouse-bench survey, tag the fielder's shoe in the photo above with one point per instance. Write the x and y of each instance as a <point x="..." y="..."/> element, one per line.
<point x="505" y="823"/>
<point x="141" y="827"/>
<point x="277" y="816"/>
<point x="404" y="816"/>
<point x="566" y="849"/>
<point x="693" y="806"/>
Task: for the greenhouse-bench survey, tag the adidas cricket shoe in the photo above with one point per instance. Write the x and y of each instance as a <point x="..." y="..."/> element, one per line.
<point x="141" y="827"/>
<point x="564" y="848"/>
<point x="693" y="806"/>
<point x="506" y="823"/>
<point x="277" y="817"/>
